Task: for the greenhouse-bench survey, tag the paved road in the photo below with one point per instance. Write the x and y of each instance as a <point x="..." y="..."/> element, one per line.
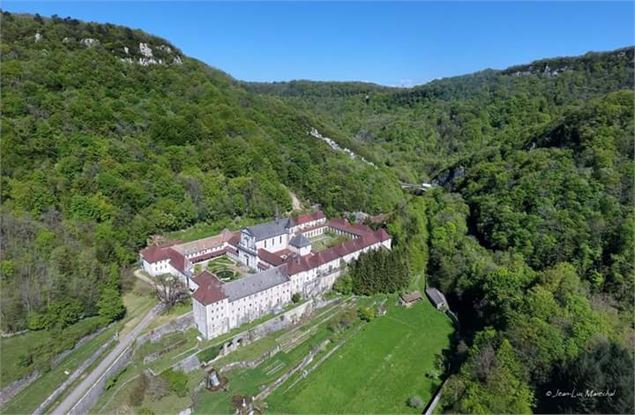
<point x="80" y="390"/>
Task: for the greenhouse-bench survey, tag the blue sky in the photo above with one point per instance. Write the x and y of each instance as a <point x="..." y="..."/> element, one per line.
<point x="388" y="43"/>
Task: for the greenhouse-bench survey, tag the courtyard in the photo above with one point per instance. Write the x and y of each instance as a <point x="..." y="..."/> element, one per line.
<point x="326" y="240"/>
<point x="226" y="269"/>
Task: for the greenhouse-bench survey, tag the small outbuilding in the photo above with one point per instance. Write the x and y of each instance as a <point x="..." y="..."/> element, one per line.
<point x="437" y="298"/>
<point x="408" y="299"/>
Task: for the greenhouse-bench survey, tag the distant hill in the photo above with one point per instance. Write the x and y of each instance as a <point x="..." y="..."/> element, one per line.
<point x="111" y="135"/>
<point x="421" y="130"/>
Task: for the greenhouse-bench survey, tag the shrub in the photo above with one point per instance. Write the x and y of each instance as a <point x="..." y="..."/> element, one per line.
<point x="208" y="354"/>
<point x="110" y="305"/>
<point x="416" y="402"/>
<point x="25" y="359"/>
<point x="177" y="381"/>
<point x="344" y="285"/>
<point x="296" y="298"/>
<point x="138" y="392"/>
<point x="348" y="317"/>
<point x="367" y="313"/>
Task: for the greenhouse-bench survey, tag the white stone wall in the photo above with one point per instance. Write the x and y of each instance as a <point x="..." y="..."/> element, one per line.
<point x="217" y="321"/>
<point x="221" y="317"/>
<point x="250" y="308"/>
<point x="247" y="241"/>
<point x="207" y="251"/>
<point x="310" y="224"/>
<point x="314" y="232"/>
<point x="305" y="250"/>
<point x="274" y="244"/>
<point x="200" y="318"/>
<point x="157" y="268"/>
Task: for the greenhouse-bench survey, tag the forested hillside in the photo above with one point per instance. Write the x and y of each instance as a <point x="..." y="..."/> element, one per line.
<point x="110" y="135"/>
<point x="531" y="232"/>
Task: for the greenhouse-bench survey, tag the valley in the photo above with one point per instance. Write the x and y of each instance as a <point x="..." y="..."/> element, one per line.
<point x="510" y="191"/>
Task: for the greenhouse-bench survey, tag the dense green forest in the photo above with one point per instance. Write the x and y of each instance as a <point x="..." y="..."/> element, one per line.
<point x="528" y="231"/>
<point x="99" y="153"/>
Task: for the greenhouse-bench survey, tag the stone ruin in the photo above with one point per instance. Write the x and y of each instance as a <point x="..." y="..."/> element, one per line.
<point x="215" y="381"/>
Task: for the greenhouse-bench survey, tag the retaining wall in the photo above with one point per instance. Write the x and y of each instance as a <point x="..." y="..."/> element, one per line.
<point x="15" y="387"/>
<point x="91" y="397"/>
<point x="181" y="323"/>
<point x="73" y="376"/>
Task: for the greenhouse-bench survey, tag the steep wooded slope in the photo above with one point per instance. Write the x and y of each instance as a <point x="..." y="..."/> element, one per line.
<point x="531" y="236"/>
<point x="111" y="135"/>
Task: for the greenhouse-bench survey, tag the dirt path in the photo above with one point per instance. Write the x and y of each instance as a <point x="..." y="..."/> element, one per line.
<point x="139" y="274"/>
<point x="296" y="204"/>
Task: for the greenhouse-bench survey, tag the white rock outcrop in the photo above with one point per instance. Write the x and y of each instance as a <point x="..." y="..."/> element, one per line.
<point x="89" y="42"/>
<point x="315" y="133"/>
<point x="145" y="50"/>
<point x="38" y="37"/>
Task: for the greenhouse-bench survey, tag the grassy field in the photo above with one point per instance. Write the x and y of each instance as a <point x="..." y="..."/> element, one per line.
<point x="367" y="367"/>
<point x="34" y="343"/>
<point x="203" y="230"/>
<point x="27" y="400"/>
<point x="13" y="348"/>
<point x="249" y="381"/>
<point x="175" y="347"/>
<point x="378" y="370"/>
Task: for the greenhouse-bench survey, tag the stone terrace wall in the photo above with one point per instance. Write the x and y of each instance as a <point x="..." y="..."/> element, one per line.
<point x="91" y="397"/>
<point x="15" y="387"/>
<point x="76" y="374"/>
<point x="181" y="323"/>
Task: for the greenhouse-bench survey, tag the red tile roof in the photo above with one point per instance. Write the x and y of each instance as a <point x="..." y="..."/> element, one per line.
<point x="354" y="228"/>
<point x="301" y="219"/>
<point x="154" y="254"/>
<point x="269" y="257"/>
<point x="210" y="288"/>
<point x="177" y="260"/>
<point x="234" y="239"/>
<point x="296" y="265"/>
<point x="211" y="255"/>
<point x="199" y="245"/>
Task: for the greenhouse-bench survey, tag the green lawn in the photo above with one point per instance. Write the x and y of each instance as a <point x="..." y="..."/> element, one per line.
<point x="327" y="240"/>
<point x="203" y="230"/>
<point x="27" y="400"/>
<point x="13" y="348"/>
<point x="378" y="370"/>
<point x="35" y="343"/>
<point x="249" y="381"/>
